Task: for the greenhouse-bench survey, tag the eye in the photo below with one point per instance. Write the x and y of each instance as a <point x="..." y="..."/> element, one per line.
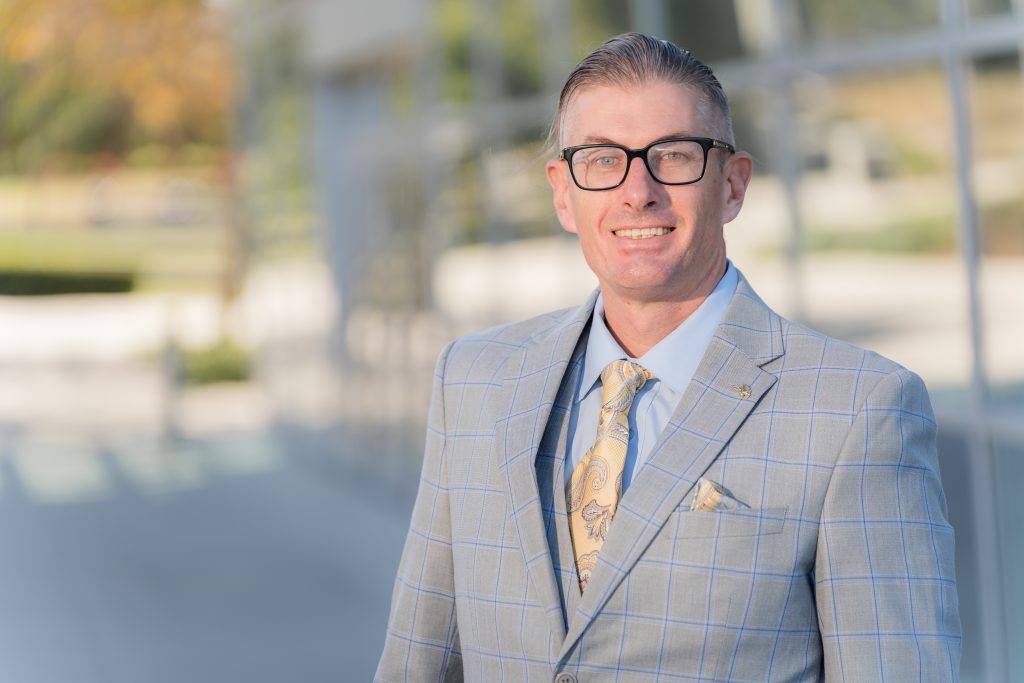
<point x="676" y="153"/>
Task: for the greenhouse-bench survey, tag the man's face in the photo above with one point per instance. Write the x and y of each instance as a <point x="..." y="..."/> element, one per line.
<point x="676" y="265"/>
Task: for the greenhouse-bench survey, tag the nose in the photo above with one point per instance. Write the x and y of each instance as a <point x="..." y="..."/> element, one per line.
<point x="641" y="190"/>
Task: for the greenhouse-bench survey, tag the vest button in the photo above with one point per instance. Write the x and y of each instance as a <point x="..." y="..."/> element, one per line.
<point x="565" y="677"/>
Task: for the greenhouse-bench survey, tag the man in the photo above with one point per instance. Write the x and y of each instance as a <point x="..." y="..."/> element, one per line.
<point x="760" y="502"/>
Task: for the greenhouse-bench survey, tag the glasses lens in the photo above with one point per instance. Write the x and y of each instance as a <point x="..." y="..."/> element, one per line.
<point x="679" y="161"/>
<point x="596" y="168"/>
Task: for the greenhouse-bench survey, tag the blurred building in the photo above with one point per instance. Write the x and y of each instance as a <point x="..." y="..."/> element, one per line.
<point x="886" y="209"/>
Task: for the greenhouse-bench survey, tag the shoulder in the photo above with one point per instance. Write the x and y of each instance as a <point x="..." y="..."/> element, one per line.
<point x="809" y="347"/>
<point x="485" y="353"/>
<point x="830" y="369"/>
<point x="816" y="372"/>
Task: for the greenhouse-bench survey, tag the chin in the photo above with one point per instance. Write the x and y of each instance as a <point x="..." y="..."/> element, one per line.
<point x="653" y="279"/>
<point x="645" y="289"/>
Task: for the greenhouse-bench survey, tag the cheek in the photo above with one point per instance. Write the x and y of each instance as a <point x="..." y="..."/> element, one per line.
<point x="698" y="212"/>
<point x="587" y="233"/>
<point x="585" y="211"/>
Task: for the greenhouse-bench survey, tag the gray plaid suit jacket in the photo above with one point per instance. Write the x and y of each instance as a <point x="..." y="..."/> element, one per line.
<point x="842" y="568"/>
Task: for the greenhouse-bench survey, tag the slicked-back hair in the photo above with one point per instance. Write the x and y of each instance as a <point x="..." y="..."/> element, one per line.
<point x="634" y="59"/>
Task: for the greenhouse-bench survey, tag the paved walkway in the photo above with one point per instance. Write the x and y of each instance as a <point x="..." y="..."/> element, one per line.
<point x="215" y="560"/>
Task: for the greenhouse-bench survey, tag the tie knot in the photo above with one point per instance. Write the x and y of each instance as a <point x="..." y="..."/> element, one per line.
<point x="620" y="380"/>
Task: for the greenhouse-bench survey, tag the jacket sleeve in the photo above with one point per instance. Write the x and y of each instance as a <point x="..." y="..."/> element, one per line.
<point x="884" y="574"/>
<point x="422" y="641"/>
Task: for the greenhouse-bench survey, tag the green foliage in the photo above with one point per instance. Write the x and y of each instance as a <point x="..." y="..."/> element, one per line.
<point x="84" y="252"/>
<point x="521" y="45"/>
<point x="516" y="39"/>
<point x="931" y="234"/>
<point x="1002" y="230"/>
<point x="453" y="27"/>
<point x="41" y="283"/>
<point x="225" y="361"/>
<point x="909" y="158"/>
<point x="138" y="256"/>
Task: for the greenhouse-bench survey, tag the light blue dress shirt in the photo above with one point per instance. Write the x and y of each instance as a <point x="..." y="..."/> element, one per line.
<point x="673" y="361"/>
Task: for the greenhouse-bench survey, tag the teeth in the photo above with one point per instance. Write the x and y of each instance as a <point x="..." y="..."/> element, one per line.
<point x="641" y="233"/>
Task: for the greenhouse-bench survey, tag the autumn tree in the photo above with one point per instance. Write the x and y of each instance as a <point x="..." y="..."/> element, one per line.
<point x="80" y="78"/>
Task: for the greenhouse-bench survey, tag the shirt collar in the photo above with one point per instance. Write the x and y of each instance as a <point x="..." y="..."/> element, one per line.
<point x="674" y="359"/>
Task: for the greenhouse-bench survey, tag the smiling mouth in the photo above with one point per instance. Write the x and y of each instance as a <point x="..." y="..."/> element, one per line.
<point x="641" y="233"/>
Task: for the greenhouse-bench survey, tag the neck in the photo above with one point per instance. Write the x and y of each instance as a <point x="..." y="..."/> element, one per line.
<point x="639" y="324"/>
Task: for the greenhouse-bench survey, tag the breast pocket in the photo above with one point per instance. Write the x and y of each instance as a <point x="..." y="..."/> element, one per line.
<point x="730" y="523"/>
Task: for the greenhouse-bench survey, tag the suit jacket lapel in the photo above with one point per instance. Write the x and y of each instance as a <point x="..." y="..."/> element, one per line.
<point x="530" y="389"/>
<point x="551" y="463"/>
<point x="726" y="386"/>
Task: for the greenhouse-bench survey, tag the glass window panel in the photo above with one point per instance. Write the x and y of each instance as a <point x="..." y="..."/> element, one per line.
<point x="879" y="212"/>
<point x="956" y="470"/>
<point x="757" y="240"/>
<point x="521" y="46"/>
<point x="856" y="20"/>
<point x="515" y="188"/>
<point x="710" y="29"/>
<point x="1010" y="480"/>
<point x="596" y="21"/>
<point x="754" y="130"/>
<point x="997" y="95"/>
<point x="978" y="9"/>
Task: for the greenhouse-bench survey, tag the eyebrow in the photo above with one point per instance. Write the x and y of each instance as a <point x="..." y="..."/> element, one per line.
<point x="601" y="140"/>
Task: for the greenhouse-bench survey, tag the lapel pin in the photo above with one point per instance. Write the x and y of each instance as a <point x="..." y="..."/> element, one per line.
<point x="743" y="390"/>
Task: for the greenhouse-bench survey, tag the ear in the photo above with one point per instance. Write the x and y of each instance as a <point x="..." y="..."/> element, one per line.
<point x="737" y="173"/>
<point x="561" y="186"/>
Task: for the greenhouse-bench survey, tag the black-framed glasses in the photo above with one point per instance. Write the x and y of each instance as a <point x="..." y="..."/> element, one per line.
<point x="672" y="161"/>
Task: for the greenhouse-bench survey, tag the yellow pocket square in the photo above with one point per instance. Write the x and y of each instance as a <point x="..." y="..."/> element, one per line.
<point x="713" y="496"/>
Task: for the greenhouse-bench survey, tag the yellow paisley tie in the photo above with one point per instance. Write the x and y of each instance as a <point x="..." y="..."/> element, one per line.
<point x="595" y="487"/>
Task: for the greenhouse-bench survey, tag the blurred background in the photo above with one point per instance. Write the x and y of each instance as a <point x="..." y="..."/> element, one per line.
<point x="234" y="234"/>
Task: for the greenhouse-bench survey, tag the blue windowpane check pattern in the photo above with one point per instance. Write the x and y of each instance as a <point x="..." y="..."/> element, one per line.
<point x="841" y="569"/>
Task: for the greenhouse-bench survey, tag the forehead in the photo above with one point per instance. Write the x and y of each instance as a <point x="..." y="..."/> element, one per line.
<point x="633" y="115"/>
